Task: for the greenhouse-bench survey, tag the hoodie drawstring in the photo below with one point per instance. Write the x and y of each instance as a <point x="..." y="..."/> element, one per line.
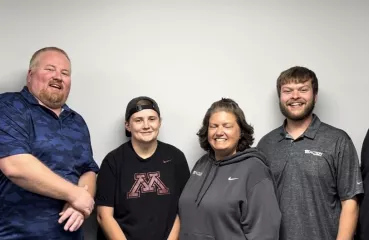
<point x="203" y="183"/>
<point x="211" y="181"/>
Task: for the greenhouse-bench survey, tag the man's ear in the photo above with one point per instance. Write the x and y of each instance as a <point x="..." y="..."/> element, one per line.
<point x="29" y="75"/>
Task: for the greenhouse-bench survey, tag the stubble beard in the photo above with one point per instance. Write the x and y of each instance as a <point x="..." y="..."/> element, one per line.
<point x="303" y="115"/>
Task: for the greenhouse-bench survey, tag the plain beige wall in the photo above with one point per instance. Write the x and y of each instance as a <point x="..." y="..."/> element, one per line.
<point x="187" y="54"/>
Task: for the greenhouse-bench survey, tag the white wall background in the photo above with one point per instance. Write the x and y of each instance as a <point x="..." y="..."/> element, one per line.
<point x="187" y="54"/>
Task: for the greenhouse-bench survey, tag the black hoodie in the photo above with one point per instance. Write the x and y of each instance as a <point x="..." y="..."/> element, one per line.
<point x="231" y="199"/>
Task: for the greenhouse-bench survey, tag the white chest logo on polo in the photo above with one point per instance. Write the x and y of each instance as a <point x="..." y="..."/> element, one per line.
<point x="315" y="153"/>
<point x="197" y="173"/>
<point x="147" y="182"/>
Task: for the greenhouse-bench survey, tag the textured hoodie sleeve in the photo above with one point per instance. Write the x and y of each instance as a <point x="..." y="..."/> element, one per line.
<point x="261" y="216"/>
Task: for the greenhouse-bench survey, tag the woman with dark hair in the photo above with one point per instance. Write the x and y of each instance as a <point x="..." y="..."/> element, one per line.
<point x="230" y="194"/>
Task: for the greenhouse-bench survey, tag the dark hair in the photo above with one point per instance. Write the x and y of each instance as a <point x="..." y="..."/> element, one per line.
<point x="297" y="75"/>
<point x="227" y="105"/>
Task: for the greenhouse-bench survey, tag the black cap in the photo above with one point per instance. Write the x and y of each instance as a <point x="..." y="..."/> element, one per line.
<point x="132" y="108"/>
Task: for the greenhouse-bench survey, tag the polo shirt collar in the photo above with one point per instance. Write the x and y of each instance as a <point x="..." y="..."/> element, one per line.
<point x="310" y="132"/>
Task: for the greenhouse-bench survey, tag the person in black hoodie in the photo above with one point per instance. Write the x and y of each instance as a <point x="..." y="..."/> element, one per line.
<point x="230" y="194"/>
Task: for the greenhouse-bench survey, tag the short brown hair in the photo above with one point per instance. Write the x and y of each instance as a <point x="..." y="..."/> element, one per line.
<point x="33" y="62"/>
<point x="297" y="75"/>
<point x="227" y="105"/>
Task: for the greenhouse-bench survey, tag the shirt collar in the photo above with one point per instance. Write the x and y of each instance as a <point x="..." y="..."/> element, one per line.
<point x="310" y="132"/>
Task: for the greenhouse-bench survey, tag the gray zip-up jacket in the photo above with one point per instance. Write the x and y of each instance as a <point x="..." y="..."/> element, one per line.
<point x="232" y="199"/>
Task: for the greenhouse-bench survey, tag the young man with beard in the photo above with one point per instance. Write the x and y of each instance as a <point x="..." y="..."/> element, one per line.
<point x="47" y="172"/>
<point x="315" y="165"/>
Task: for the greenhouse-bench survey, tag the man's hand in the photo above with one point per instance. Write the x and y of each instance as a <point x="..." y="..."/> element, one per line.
<point x="82" y="200"/>
<point x="75" y="218"/>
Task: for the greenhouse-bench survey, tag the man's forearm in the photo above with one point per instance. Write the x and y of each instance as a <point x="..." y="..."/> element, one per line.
<point x="88" y="179"/>
<point x="31" y="174"/>
<point x="348" y="219"/>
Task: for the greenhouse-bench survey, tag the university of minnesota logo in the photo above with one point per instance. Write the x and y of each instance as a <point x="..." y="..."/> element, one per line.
<point x="147" y="182"/>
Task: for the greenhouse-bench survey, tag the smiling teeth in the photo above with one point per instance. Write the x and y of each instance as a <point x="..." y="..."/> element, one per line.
<point x="220" y="139"/>
<point x="55" y="86"/>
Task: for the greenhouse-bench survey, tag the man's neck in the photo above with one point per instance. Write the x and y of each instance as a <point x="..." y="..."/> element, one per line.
<point x="297" y="128"/>
<point x="144" y="150"/>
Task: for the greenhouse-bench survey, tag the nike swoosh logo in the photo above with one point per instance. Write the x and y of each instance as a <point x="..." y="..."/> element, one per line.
<point x="359" y="182"/>
<point x="166" y="161"/>
<point x="231" y="179"/>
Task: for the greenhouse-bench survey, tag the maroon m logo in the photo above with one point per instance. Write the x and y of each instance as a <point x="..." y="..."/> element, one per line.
<point x="147" y="182"/>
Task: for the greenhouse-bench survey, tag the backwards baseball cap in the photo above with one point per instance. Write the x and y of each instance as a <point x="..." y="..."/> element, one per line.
<point x="133" y="107"/>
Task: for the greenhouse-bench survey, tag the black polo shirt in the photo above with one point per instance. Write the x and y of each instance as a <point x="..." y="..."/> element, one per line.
<point x="313" y="174"/>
